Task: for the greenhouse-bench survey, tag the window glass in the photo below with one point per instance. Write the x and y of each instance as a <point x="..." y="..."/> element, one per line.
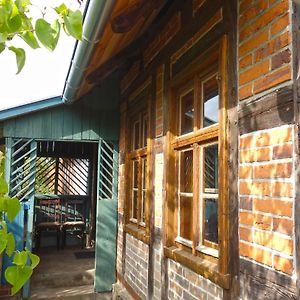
<point x="186" y="171"/>
<point x="211" y="168"/>
<point x="211" y="220"/>
<point x="186" y="217"/>
<point x="134" y="201"/>
<point x="210" y="102"/>
<point x="144" y="170"/>
<point x="187" y="113"/>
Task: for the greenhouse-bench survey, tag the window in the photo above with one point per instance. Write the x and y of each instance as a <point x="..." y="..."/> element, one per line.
<point x="137" y="161"/>
<point x="196" y="188"/>
<point x="197" y="163"/>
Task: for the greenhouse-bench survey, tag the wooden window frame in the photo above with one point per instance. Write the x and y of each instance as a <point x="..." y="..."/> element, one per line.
<point x="138" y="109"/>
<point x="210" y="264"/>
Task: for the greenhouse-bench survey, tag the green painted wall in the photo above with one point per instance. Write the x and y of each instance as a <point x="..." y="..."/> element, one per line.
<point x="95" y="115"/>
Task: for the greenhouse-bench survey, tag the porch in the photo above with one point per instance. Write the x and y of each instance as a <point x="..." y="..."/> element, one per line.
<point x="65" y="274"/>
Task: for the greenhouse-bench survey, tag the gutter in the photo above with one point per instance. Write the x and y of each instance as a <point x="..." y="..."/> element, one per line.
<point x="97" y="16"/>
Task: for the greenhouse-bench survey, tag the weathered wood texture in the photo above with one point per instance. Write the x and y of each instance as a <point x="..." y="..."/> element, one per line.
<point x="260" y="283"/>
<point x="94" y="116"/>
<point x="272" y="110"/>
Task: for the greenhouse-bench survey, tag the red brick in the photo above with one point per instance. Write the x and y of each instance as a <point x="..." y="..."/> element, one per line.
<point x="276" y="207"/>
<point x="252" y="12"/>
<point x="283" y="170"/>
<point x="283" y="151"/>
<point x="255" y="188"/>
<point x="246" y="172"/>
<point x="265" y="19"/>
<point x="273" y="241"/>
<point x="246" y="203"/>
<point x="246" y="234"/>
<point x="283" y="264"/>
<point x="284" y="226"/>
<point x="246" y="91"/>
<point x="254" y="42"/>
<point x="260" y="255"/>
<point x="282" y="189"/>
<point x="255" y="155"/>
<point x="281" y="24"/>
<point x="254" y="72"/>
<point x="246" y="4"/>
<point x="255" y="220"/>
<point x="273" y="46"/>
<point x="280" y="59"/>
<point x="267" y="138"/>
<point x="246" y="61"/>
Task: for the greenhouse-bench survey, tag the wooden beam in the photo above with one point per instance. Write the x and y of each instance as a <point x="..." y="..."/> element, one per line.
<point x="131" y="15"/>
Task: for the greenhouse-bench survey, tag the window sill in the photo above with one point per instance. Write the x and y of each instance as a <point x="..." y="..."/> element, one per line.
<point x="138" y="232"/>
<point x="199" y="265"/>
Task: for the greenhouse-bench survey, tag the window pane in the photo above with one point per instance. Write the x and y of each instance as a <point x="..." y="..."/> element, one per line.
<point x="136" y="135"/>
<point x="134" y="204"/>
<point x="211" y="220"/>
<point x="135" y="168"/>
<point x="211" y="168"/>
<point x="145" y="130"/>
<point x="186" y="217"/>
<point x="187" y="113"/>
<point x="143" y="204"/>
<point x="186" y="171"/>
<point x="211" y="102"/>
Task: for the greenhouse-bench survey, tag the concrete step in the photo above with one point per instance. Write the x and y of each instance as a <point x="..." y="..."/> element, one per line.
<point x="63" y="279"/>
<point x="72" y="293"/>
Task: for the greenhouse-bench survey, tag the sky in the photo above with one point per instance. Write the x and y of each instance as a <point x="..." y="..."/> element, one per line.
<point x="44" y="73"/>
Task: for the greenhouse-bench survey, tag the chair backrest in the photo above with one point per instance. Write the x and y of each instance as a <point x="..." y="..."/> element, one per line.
<point x="74" y="210"/>
<point x="48" y="210"/>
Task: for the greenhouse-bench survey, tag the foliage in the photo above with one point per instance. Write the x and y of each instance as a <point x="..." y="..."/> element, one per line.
<point x="15" y="21"/>
<point x="23" y="261"/>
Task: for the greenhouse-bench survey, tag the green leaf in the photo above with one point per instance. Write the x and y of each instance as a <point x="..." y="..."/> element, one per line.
<point x="35" y="260"/>
<point x="3" y="37"/>
<point x="17" y="277"/>
<point x="22" y="5"/>
<point x="3" y="243"/>
<point x="73" y="24"/>
<point x="11" y="244"/>
<point x="14" y="24"/>
<point x="2" y="47"/>
<point x="30" y="39"/>
<point x="47" y="34"/>
<point x="13" y="208"/>
<point x="20" y="56"/>
<point x="20" y="258"/>
<point x="62" y="9"/>
<point x="3" y="186"/>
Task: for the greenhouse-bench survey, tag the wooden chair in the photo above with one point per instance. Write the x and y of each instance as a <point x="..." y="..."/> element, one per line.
<point x="74" y="220"/>
<point x="48" y="218"/>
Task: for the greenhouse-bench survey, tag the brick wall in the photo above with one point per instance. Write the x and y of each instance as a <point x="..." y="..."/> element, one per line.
<point x="266" y="189"/>
<point x="136" y="265"/>
<point x="264" y="45"/>
<point x="186" y="284"/>
<point x="157" y="277"/>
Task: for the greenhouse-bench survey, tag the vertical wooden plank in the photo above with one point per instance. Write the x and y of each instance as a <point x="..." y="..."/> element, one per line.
<point x="46" y="125"/>
<point x="223" y="217"/>
<point x="85" y="129"/>
<point x="106" y="231"/>
<point x="30" y="211"/>
<point x="67" y="123"/>
<point x="230" y="21"/>
<point x="9" y="128"/>
<point x="95" y="119"/>
<point x="57" y="122"/>
<point x="37" y="125"/>
<point x="77" y="121"/>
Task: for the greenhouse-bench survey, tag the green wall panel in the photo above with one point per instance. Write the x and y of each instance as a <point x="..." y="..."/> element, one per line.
<point x="90" y="118"/>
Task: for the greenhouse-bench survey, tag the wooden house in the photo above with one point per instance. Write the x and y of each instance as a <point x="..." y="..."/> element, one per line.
<point x="199" y="98"/>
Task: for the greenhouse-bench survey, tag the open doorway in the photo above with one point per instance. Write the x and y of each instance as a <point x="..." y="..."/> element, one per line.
<point x="65" y="218"/>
